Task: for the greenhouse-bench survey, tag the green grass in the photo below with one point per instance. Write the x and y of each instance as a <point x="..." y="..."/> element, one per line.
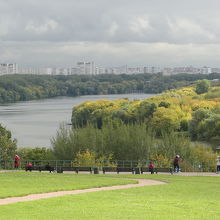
<point x="22" y="183"/>
<point x="183" y="198"/>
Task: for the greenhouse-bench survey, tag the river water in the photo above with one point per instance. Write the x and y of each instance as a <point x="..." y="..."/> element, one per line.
<point x="34" y="123"/>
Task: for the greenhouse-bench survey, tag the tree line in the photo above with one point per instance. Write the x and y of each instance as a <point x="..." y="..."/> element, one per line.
<point x="28" y="87"/>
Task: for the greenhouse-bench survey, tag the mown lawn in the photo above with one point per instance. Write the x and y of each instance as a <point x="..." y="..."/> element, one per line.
<point x="24" y="183"/>
<point x="183" y="198"/>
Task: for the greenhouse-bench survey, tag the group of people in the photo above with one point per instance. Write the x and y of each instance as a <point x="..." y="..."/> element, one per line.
<point x="29" y="165"/>
<point x="175" y="165"/>
<point x="17" y="159"/>
<point x="177" y="168"/>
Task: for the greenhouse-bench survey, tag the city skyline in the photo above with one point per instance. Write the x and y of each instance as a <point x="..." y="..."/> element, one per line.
<point x="91" y="68"/>
<point x="54" y="33"/>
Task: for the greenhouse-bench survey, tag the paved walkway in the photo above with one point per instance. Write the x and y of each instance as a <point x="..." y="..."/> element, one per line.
<point x="141" y="182"/>
<point x="196" y="174"/>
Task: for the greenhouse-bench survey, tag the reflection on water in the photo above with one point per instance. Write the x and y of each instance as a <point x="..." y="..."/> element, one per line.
<point x="34" y="123"/>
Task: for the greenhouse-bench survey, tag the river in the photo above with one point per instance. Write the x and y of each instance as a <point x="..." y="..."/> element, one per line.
<point x="34" y="123"/>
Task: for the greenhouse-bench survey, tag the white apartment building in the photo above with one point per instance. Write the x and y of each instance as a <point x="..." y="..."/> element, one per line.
<point x="135" y="70"/>
<point x="74" y="71"/>
<point x="86" y="68"/>
<point x="206" y="70"/>
<point x="90" y="68"/>
<point x="117" y="70"/>
<point x="8" y="68"/>
<point x="46" y="71"/>
<point x="188" y="70"/>
<point x="31" y="70"/>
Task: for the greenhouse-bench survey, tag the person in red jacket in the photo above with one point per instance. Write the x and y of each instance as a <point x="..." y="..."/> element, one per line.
<point x="17" y="161"/>
<point x="151" y="167"/>
<point x="29" y="166"/>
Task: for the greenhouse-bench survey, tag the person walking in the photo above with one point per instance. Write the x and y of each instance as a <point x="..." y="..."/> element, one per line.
<point x="218" y="164"/>
<point x="176" y="163"/>
<point x="16" y="161"/>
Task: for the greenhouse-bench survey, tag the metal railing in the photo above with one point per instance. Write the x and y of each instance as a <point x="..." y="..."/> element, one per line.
<point x="186" y="166"/>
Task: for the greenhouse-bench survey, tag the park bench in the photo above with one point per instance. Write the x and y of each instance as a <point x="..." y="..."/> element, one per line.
<point x="157" y="169"/>
<point x="40" y="168"/>
<point x="109" y="169"/>
<point x="118" y="169"/>
<point x="76" y="169"/>
<point x="125" y="169"/>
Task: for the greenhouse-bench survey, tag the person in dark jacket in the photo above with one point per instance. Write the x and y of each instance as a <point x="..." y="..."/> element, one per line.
<point x="49" y="168"/>
<point x="176" y="163"/>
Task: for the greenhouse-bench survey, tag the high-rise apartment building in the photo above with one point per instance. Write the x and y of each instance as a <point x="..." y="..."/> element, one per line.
<point x="8" y="68"/>
<point x="86" y="68"/>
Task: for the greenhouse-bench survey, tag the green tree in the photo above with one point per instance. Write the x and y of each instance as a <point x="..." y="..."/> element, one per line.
<point x="8" y="145"/>
<point x="202" y="86"/>
<point x="38" y="153"/>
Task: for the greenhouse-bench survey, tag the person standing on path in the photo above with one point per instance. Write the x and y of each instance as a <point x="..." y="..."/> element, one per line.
<point x="176" y="163"/>
<point x="218" y="164"/>
<point x="151" y="167"/>
<point x="17" y="161"/>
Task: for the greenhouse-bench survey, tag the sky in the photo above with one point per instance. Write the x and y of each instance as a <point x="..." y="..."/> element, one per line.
<point x="58" y="33"/>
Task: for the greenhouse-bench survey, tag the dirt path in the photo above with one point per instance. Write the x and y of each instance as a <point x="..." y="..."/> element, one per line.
<point x="141" y="182"/>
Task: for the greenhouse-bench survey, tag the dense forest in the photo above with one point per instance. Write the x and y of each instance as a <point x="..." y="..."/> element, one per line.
<point x="28" y="87"/>
<point x="193" y="111"/>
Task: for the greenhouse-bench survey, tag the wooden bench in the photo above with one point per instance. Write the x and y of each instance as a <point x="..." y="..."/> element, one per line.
<point x="76" y="169"/>
<point x="125" y="169"/>
<point x="40" y="168"/>
<point x="118" y="169"/>
<point x="165" y="169"/>
<point x="109" y="169"/>
<point x="157" y="169"/>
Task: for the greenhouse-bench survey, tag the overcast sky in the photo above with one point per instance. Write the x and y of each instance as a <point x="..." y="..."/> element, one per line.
<point x="110" y="32"/>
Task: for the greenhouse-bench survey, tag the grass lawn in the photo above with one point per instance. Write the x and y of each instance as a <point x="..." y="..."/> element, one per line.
<point x="24" y="183"/>
<point x="185" y="198"/>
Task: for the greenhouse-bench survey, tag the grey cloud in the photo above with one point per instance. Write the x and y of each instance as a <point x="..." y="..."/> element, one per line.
<point x="136" y="21"/>
<point x="55" y="32"/>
